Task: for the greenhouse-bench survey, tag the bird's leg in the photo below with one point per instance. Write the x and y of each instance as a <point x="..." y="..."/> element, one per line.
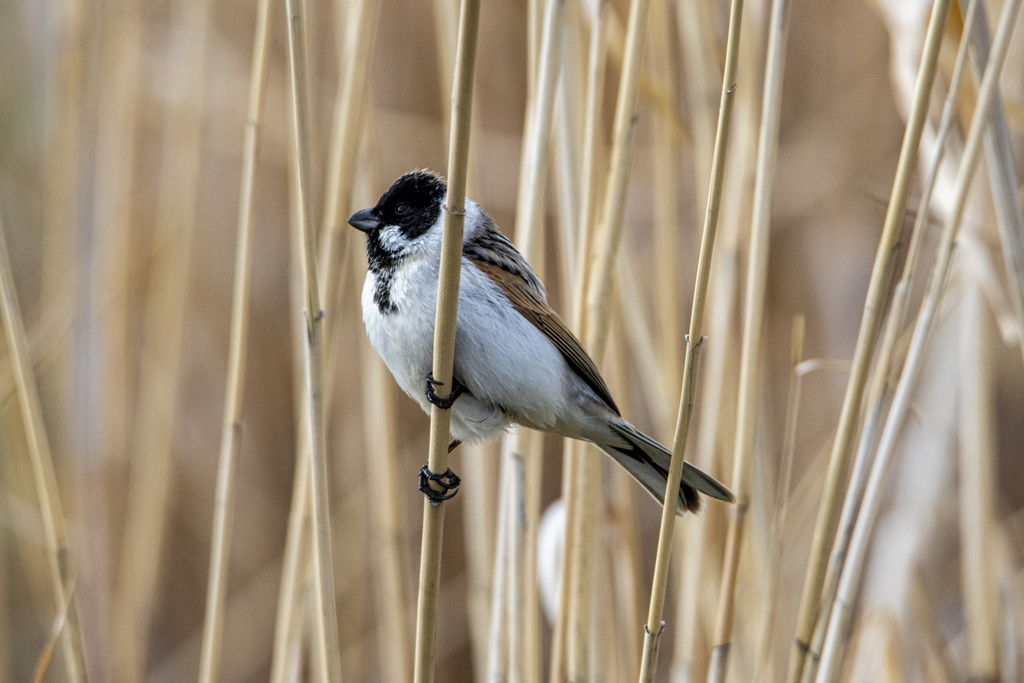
<point x="443" y="403"/>
<point x="435" y="496"/>
<point x="453" y="444"/>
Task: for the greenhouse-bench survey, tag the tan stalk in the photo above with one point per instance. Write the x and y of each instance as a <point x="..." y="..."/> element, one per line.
<point x="231" y="430"/>
<point x="361" y="20"/>
<point x="666" y="252"/>
<point x="764" y="639"/>
<point x="327" y="617"/>
<point x="850" y="578"/>
<point x="152" y="444"/>
<point x="703" y="543"/>
<point x="444" y="336"/>
<point x="753" y="318"/>
<point x="1002" y="171"/>
<point x="592" y="140"/>
<point x="497" y="645"/>
<point x="107" y="393"/>
<point x="529" y="235"/>
<point x="43" y="472"/>
<point x="594" y="329"/>
<point x="881" y="374"/>
<point x="654" y="626"/>
<point x="978" y="448"/>
<point x="387" y="520"/>
<point x="297" y="562"/>
<point x="478" y="462"/>
<point x="867" y="338"/>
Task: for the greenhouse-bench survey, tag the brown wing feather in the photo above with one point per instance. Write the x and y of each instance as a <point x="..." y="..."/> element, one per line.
<point x="500" y="261"/>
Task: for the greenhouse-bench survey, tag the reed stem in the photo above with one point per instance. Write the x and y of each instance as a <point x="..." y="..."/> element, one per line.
<point x="327" y="617"/>
<point x="850" y="578"/>
<point x="654" y="626"/>
<point x="231" y="431"/>
<point x="757" y="279"/>
<point x="867" y="339"/>
<point x="881" y="375"/>
<point x="43" y="472"/>
<point x="444" y="335"/>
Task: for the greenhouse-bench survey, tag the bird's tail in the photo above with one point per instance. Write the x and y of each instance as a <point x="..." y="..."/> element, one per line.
<point x="648" y="462"/>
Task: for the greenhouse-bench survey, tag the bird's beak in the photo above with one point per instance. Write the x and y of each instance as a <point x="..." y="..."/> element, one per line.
<point x="364" y="220"/>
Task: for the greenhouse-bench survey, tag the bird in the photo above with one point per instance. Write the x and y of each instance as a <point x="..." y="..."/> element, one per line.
<point x="516" y="362"/>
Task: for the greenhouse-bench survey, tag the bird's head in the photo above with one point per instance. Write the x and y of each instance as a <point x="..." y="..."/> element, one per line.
<point x="403" y="221"/>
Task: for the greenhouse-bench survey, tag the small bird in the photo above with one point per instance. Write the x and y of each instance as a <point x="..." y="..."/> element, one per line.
<point x="516" y="362"/>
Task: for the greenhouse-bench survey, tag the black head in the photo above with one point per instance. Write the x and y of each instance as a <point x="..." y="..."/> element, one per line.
<point x="402" y="215"/>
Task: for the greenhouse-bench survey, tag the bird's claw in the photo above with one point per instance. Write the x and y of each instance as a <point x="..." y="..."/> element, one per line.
<point x="448" y="401"/>
<point x="435" y="496"/>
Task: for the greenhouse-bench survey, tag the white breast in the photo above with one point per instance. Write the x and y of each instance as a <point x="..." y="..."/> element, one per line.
<point x="512" y="371"/>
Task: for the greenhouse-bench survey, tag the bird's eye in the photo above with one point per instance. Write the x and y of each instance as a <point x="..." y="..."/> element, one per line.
<point x="402" y="209"/>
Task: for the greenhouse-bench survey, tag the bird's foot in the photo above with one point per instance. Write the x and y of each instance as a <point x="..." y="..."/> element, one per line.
<point x="453" y="444"/>
<point x="443" y="403"/>
<point x="449" y="481"/>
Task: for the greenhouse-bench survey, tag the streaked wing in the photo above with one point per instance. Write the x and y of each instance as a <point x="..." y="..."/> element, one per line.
<point x="495" y="256"/>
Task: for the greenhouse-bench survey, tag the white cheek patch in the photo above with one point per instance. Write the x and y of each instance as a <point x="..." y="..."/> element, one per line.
<point x="392" y="239"/>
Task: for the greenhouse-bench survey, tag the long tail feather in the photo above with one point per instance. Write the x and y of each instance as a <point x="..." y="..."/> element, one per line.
<point x="648" y="462"/>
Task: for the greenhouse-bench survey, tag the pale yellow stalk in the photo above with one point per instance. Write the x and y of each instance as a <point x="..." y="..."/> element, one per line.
<point x="43" y="473"/>
<point x="231" y="430"/>
<point x="850" y="578"/>
<point x="867" y="338"/>
<point x="151" y="471"/>
<point x="327" y="618"/>
<point x="444" y="336"/>
<point x="654" y="626"/>
<point x="757" y="280"/>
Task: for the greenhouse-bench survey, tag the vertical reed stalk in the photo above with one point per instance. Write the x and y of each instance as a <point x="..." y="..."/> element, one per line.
<point x="978" y="448"/>
<point x="444" y="335"/>
<point x="703" y="543"/>
<point x="883" y="366"/>
<point x="753" y="318"/>
<point x="764" y="636"/>
<point x="43" y="472"/>
<point x="382" y="426"/>
<point x="525" y="451"/>
<point x="345" y="136"/>
<point x="231" y="431"/>
<point x="297" y="564"/>
<point x="654" y="626"/>
<point x="867" y="338"/>
<point x="152" y="442"/>
<point x="478" y="462"/>
<point x="596" y="63"/>
<point x="327" y="617"/>
<point x="850" y="578"/>
<point x="1002" y="172"/>
<point x="583" y="511"/>
<point x="666" y="254"/>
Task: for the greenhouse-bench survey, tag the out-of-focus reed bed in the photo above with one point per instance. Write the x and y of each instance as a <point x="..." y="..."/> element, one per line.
<point x="202" y="477"/>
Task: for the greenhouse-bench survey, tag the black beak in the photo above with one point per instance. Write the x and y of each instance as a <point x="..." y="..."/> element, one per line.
<point x="364" y="220"/>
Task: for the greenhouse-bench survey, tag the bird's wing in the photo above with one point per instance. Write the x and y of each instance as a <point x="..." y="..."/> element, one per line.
<point x="496" y="257"/>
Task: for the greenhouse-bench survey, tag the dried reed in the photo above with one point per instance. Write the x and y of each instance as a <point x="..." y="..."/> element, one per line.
<point x="867" y="338"/>
<point x="853" y="566"/>
<point x="327" y="617"/>
<point x="43" y="472"/>
<point x="881" y="374"/>
<point x="152" y="440"/>
<point x="444" y="335"/>
<point x="654" y="626"/>
<point x="231" y="432"/>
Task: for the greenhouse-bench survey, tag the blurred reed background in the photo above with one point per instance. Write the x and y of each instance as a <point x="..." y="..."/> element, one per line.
<point x="123" y="147"/>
